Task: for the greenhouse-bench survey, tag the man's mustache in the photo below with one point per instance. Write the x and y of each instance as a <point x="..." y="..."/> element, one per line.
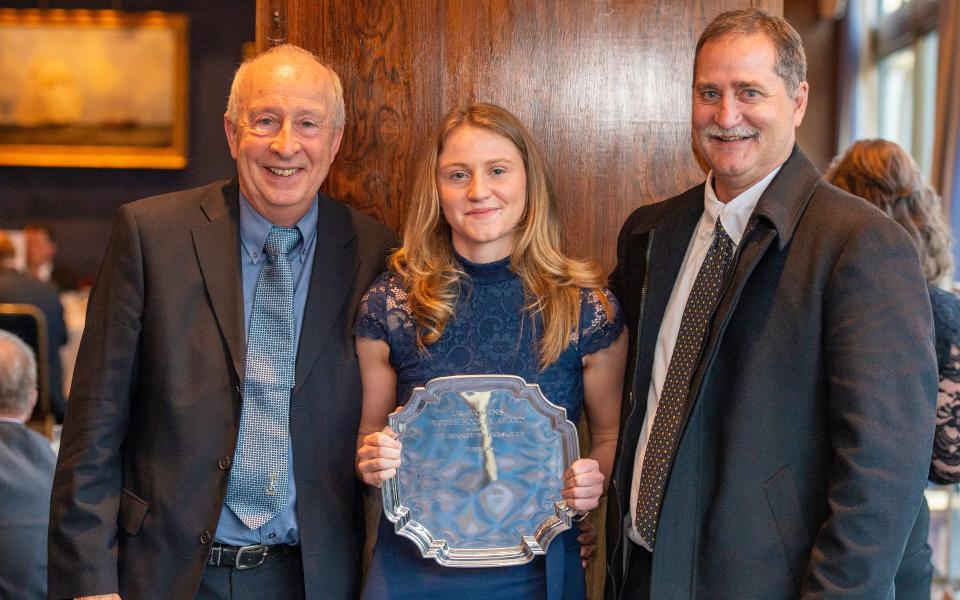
<point x="740" y="131"/>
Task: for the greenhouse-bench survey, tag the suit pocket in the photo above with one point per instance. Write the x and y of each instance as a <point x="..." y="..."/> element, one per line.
<point x="133" y="509"/>
<point x="795" y="537"/>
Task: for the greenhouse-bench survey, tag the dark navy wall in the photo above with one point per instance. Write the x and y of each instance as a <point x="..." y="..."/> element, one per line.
<point x="78" y="204"/>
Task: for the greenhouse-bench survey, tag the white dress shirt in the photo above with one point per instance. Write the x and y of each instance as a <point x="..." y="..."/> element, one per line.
<point x="734" y="216"/>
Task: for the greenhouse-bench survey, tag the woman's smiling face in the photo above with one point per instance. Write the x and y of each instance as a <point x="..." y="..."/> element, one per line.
<point x="482" y="186"/>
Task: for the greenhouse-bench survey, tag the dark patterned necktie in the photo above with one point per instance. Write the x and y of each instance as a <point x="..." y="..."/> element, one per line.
<point x="672" y="406"/>
<point x="257" y="491"/>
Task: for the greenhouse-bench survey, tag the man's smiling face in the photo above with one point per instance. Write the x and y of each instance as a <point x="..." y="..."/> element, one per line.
<point x="743" y="120"/>
<point x="284" y="139"/>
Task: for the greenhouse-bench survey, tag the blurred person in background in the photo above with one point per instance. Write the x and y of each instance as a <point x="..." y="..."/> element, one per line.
<point x="26" y="475"/>
<point x="41" y="250"/>
<point x="882" y="173"/>
<point x="21" y="288"/>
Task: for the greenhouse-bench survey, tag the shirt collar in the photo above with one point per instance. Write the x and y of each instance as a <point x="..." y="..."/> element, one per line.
<point x="254" y="229"/>
<point x="735" y="213"/>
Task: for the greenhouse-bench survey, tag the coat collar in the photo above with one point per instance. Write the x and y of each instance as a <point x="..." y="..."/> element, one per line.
<point x="785" y="199"/>
<point x="671" y="213"/>
<point x="662" y="231"/>
<point x="782" y="203"/>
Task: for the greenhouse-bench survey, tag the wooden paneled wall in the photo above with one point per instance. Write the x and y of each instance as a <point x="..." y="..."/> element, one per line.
<point x="603" y="85"/>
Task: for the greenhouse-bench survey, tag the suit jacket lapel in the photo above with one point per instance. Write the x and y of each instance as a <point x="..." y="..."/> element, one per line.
<point x="334" y="268"/>
<point x="217" y="246"/>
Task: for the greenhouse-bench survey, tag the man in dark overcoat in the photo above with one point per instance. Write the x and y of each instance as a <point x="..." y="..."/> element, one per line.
<point x="779" y="396"/>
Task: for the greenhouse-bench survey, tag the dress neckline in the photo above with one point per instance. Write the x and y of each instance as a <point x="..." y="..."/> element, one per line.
<point x="491" y="272"/>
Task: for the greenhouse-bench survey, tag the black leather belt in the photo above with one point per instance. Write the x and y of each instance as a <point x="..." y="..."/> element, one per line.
<point x="246" y="557"/>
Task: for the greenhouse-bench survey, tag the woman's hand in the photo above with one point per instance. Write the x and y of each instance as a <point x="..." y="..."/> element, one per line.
<point x="378" y="457"/>
<point x="582" y="485"/>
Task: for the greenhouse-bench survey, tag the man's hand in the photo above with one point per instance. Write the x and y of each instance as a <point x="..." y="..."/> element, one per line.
<point x="588" y="542"/>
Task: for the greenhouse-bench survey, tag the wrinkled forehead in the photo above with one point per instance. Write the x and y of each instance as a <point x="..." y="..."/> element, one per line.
<point x="737" y="52"/>
<point x="295" y="80"/>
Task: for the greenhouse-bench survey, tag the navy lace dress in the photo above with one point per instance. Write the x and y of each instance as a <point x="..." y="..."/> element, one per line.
<point x="916" y="571"/>
<point x="488" y="334"/>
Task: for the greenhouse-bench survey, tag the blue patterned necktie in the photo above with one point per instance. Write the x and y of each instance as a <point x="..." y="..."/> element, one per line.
<point x="674" y="397"/>
<point x="258" y="480"/>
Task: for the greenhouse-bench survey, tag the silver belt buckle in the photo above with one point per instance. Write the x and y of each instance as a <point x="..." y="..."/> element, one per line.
<point x="255" y="548"/>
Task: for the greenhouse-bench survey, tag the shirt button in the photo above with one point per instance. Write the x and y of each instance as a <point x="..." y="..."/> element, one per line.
<point x="272" y="535"/>
<point x="236" y="392"/>
<point x="224" y="463"/>
<point x="205" y="537"/>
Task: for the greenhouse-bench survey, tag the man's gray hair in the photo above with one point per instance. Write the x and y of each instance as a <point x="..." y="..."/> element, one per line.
<point x="791" y="64"/>
<point x="291" y="52"/>
<point x="18" y="376"/>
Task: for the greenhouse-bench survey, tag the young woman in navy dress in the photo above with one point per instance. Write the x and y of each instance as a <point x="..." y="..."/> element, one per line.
<point x="481" y="286"/>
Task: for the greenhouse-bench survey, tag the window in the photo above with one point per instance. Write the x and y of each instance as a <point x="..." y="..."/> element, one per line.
<point x="907" y="80"/>
<point x="895" y="76"/>
<point x="890" y="6"/>
<point x="899" y="85"/>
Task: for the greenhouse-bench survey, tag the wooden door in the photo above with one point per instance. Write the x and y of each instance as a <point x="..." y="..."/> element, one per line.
<point x="603" y="85"/>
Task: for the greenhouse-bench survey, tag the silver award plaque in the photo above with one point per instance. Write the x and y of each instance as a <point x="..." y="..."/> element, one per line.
<point x="481" y="470"/>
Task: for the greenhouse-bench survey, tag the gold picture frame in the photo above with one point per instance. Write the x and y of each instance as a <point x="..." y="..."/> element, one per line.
<point x="93" y="88"/>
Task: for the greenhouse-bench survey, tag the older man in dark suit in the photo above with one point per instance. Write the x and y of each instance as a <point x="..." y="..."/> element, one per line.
<point x="26" y="474"/>
<point x="208" y="450"/>
<point x="778" y="426"/>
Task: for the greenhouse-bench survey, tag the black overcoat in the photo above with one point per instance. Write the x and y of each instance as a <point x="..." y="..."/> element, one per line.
<point x="807" y="442"/>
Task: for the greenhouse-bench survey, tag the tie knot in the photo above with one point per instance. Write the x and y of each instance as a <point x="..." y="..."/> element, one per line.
<point x="723" y="242"/>
<point x="281" y="240"/>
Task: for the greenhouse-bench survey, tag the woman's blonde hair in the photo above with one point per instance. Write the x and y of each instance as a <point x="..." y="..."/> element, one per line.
<point x="551" y="280"/>
<point x="882" y="173"/>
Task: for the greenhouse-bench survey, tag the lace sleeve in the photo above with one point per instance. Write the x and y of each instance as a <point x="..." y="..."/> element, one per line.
<point x="598" y="330"/>
<point x="383" y="309"/>
<point x="945" y="465"/>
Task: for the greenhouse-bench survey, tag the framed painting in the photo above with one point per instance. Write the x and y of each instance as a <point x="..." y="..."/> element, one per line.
<point x="93" y="88"/>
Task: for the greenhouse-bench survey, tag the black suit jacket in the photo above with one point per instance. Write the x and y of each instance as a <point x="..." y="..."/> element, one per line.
<point x="26" y="474"/>
<point x="155" y="405"/>
<point x="807" y="440"/>
<point x="23" y="289"/>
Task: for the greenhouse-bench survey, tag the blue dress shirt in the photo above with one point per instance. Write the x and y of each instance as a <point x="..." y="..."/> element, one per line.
<point x="283" y="528"/>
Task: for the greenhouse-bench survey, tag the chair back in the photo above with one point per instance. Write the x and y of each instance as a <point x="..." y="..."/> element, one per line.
<point x="29" y="324"/>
